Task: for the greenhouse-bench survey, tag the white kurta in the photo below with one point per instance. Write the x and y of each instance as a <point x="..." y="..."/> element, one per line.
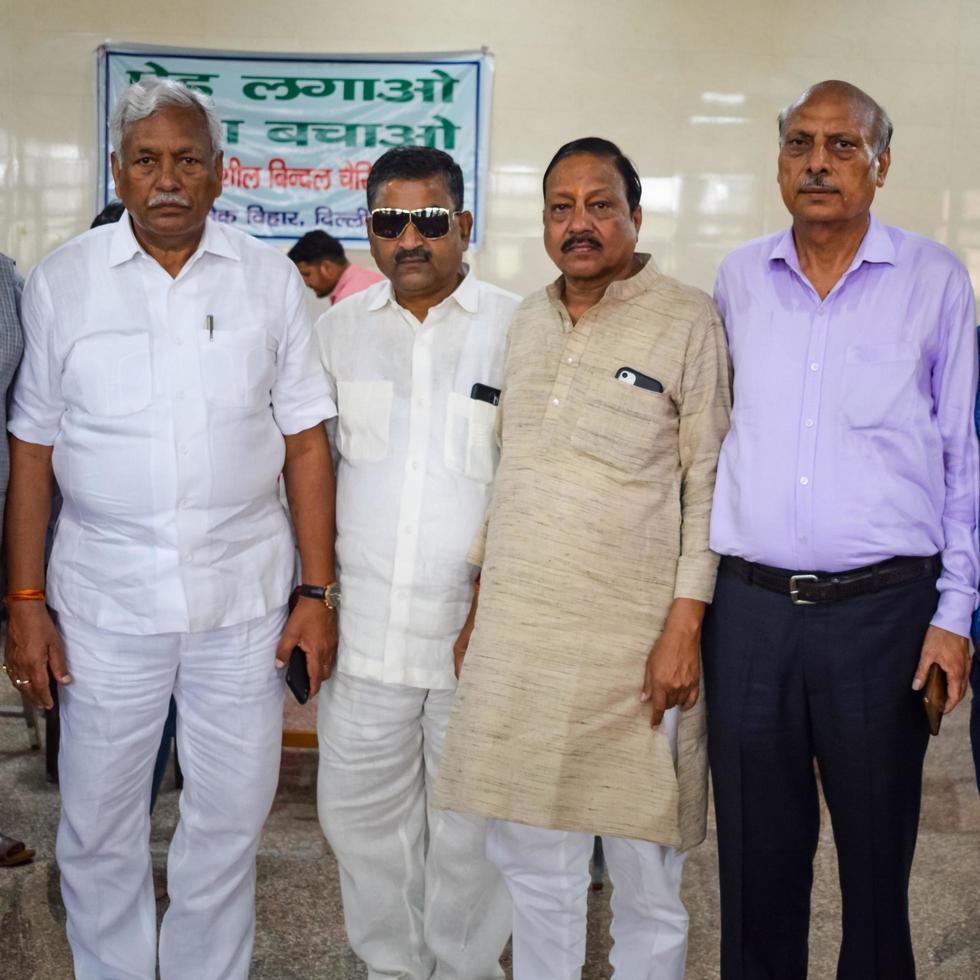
<point x="416" y="456"/>
<point x="171" y="568"/>
<point x="168" y="437"/>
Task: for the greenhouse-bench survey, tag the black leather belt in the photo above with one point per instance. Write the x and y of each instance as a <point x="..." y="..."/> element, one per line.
<point x="807" y="588"/>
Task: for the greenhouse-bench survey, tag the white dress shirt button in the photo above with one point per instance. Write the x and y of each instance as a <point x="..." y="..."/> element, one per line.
<point x="555" y="401"/>
<point x="814" y="366"/>
<point x="804" y="480"/>
<point x="571" y="360"/>
<point x="809" y="423"/>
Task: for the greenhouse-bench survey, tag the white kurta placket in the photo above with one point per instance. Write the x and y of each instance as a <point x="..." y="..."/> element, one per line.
<point x="182" y="471"/>
<point x="413" y="488"/>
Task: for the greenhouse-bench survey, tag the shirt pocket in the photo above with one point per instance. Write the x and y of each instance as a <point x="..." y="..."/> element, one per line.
<point x="623" y="425"/>
<point x="109" y="374"/>
<point x="364" y="419"/>
<point x="880" y="385"/>
<point x="470" y="444"/>
<point x="239" y="367"/>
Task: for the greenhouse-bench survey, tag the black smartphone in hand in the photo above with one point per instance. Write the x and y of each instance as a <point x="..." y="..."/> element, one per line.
<point x="934" y="694"/>
<point x="297" y="676"/>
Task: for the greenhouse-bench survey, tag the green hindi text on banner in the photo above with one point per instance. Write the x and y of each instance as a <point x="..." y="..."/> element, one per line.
<point x="301" y="132"/>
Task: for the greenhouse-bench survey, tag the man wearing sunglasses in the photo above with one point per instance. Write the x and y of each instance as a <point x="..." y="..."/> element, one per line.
<point x="578" y="709"/>
<point x="416" y="363"/>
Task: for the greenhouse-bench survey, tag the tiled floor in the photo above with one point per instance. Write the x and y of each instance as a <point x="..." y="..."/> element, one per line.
<point x="300" y="928"/>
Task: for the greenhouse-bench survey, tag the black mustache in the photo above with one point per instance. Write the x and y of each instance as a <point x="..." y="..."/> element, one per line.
<point x="570" y="243"/>
<point x="403" y="254"/>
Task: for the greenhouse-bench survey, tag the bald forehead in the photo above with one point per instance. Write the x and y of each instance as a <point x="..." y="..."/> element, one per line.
<point x="863" y="113"/>
<point x="845" y="97"/>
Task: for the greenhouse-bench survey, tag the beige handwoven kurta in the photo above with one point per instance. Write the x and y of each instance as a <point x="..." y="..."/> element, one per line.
<point x="599" y="519"/>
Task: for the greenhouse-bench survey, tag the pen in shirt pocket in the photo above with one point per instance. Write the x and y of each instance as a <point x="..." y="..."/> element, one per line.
<point x="209" y="326"/>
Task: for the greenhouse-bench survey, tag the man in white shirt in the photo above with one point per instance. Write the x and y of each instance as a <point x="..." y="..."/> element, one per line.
<point x="415" y="364"/>
<point x="169" y="376"/>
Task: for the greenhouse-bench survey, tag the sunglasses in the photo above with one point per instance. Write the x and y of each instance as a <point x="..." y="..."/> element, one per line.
<point x="430" y="222"/>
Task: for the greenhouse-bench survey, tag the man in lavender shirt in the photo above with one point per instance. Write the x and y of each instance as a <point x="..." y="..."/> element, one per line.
<point x="845" y="511"/>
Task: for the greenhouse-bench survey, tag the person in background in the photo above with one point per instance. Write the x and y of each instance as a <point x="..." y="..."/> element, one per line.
<point x="578" y="709"/>
<point x="415" y="364"/>
<point x="326" y="269"/>
<point x="845" y="514"/>
<point x="169" y="376"/>
<point x="109" y="215"/>
<point x="12" y="851"/>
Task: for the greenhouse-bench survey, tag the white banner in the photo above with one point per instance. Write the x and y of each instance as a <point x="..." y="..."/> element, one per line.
<point x="301" y="132"/>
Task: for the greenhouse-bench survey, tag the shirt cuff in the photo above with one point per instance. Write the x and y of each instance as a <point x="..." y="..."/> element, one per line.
<point x="954" y="612"/>
<point x="299" y="419"/>
<point x="25" y="430"/>
<point x="695" y="577"/>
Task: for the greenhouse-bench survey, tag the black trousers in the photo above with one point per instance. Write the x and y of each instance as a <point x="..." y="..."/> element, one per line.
<point x="787" y="685"/>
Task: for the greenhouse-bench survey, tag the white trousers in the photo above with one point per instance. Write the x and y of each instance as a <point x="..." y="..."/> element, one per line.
<point x="229" y="737"/>
<point x="420" y="898"/>
<point x="547" y="873"/>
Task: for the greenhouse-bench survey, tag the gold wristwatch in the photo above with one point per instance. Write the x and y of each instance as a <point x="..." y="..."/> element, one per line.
<point x="329" y="595"/>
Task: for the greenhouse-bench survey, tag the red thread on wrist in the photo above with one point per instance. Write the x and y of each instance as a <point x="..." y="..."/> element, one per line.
<point x="19" y="595"/>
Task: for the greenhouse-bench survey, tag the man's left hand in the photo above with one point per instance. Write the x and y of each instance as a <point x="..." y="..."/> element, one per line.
<point x="952" y="652"/>
<point x="312" y="626"/>
<point x="673" y="670"/>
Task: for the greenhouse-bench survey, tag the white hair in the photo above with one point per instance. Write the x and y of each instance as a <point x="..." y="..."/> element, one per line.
<point x="151" y="94"/>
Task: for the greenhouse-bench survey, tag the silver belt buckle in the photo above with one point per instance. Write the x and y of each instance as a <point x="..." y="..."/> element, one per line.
<point x="794" y="592"/>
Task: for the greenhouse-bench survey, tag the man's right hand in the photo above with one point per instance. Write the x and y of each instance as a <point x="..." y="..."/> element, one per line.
<point x="33" y="645"/>
<point x="463" y="640"/>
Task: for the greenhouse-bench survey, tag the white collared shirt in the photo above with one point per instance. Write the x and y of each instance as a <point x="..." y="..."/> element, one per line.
<point x="417" y="456"/>
<point x="168" y="436"/>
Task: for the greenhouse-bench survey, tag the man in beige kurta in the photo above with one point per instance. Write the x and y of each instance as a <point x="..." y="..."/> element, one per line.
<point x="595" y="574"/>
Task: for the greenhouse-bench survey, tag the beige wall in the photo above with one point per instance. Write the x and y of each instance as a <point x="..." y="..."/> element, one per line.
<point x="689" y="88"/>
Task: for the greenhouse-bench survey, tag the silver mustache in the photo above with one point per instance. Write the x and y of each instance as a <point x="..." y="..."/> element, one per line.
<point x="165" y="197"/>
<point x="816" y="180"/>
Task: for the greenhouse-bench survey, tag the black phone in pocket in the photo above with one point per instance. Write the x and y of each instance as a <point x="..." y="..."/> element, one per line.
<point x="630" y="376"/>
<point x="297" y="676"/>
<point x="484" y="393"/>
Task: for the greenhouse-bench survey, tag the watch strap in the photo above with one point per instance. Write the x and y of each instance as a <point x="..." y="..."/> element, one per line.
<point x="323" y="593"/>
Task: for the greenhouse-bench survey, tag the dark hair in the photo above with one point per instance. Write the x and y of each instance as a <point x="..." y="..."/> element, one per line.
<point x="416" y="163"/>
<point x="315" y="246"/>
<point x="109" y="215"/>
<point x="598" y="147"/>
